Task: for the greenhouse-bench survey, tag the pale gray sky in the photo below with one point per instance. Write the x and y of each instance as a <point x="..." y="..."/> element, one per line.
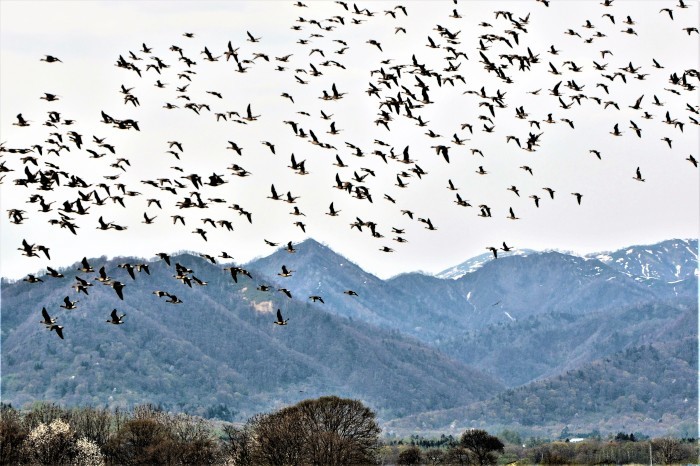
<point x="89" y="37"/>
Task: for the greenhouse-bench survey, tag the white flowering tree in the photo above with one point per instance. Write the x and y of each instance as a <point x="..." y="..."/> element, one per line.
<point x="50" y="443"/>
<point x="87" y="453"/>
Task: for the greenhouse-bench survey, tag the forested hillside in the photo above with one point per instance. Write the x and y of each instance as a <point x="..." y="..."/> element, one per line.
<point x="533" y="341"/>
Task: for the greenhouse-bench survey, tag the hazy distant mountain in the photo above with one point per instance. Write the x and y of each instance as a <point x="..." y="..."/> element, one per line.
<point x="544" y="345"/>
<point x="433" y="309"/>
<point x="651" y="389"/>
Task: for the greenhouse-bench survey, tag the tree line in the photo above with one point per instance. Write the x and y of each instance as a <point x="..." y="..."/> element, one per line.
<point x="619" y="449"/>
<point x="326" y="431"/>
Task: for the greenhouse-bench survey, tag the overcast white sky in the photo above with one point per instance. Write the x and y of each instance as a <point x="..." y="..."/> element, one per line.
<point x="616" y="210"/>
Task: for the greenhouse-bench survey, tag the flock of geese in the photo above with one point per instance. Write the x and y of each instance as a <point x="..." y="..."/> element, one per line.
<point x="182" y="273"/>
<point x="400" y="90"/>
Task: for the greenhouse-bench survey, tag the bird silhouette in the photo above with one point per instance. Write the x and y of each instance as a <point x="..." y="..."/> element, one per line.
<point x="280" y="320"/>
<point x="58" y="329"/>
<point x="116" y="319"/>
<point x="68" y="304"/>
<point x="48" y="320"/>
<point x="118" y="288"/>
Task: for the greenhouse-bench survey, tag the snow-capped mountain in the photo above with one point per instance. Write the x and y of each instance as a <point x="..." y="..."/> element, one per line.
<point x="669" y="261"/>
<point x="475" y="263"/>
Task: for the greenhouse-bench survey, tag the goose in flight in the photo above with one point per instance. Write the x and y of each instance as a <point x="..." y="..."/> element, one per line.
<point x="249" y="115"/>
<point x="280" y="320"/>
<point x="32" y="279"/>
<point x="274" y="196"/>
<point x="103" y="278"/>
<point x="285" y="272"/>
<point x="173" y="299"/>
<point x="339" y="163"/>
<point x="50" y="59"/>
<point x="85" y="266"/>
<point x="164" y="257"/>
<point x="251" y="38"/>
<point x="375" y="43"/>
<point x="636" y="128"/>
<point x="48" y="320"/>
<point x="331" y="211"/>
<point x="54" y="273"/>
<point x="116" y="319"/>
<point x="237" y="270"/>
<point x="428" y="223"/>
<point x="58" y="329"/>
<point x="201" y="232"/>
<point x="148" y="220"/>
<point x="68" y="304"/>
<point x="118" y="287"/>
<point x="616" y="131"/>
<point x="638" y="175"/>
<point x="461" y="202"/>
<point x="28" y="249"/>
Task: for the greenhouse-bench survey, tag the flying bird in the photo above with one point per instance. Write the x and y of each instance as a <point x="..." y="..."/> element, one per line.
<point x="58" y="329"/>
<point x="118" y="287"/>
<point x="116" y="319"/>
<point x="68" y="304"/>
<point x="280" y="320"/>
<point x="48" y="320"/>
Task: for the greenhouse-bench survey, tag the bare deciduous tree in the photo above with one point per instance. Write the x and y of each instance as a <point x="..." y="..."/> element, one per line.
<point x="482" y="445"/>
<point x="327" y="431"/>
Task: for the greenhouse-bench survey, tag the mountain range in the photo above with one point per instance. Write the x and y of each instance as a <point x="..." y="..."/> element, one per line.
<point x="427" y="353"/>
